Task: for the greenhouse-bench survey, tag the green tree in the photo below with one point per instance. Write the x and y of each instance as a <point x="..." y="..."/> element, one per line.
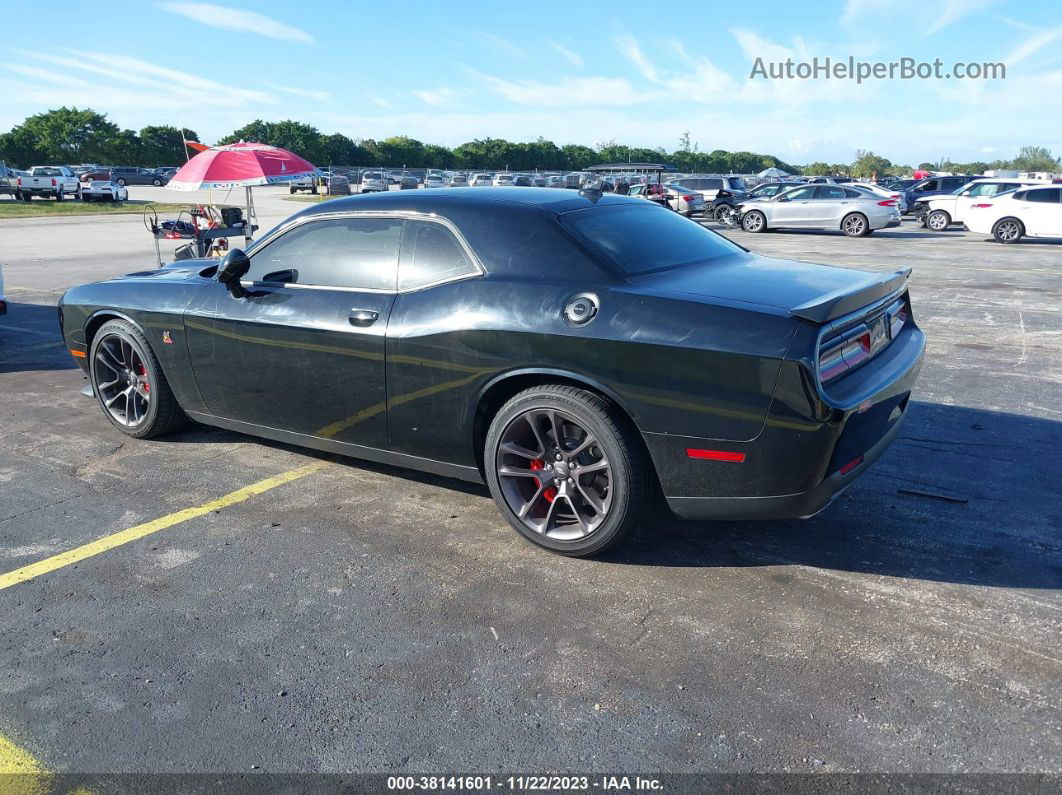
<point x="867" y="164"/>
<point x="436" y="156"/>
<point x="18" y="148"/>
<point x="69" y="135"/>
<point x="401" y="150"/>
<point x="163" y="145"/>
<point x="303" y="139"/>
<point x="577" y="156"/>
<point x="1035" y="158"/>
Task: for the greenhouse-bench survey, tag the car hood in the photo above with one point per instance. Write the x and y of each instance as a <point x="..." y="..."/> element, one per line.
<point x="817" y="293"/>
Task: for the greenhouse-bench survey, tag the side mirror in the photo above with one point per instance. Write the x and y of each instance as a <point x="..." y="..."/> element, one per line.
<point x="234" y="267"/>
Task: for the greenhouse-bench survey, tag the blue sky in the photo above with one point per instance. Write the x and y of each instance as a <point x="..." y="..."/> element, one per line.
<point x="573" y="72"/>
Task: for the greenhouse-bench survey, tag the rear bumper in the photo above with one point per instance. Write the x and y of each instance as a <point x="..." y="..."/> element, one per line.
<point x="811" y="447"/>
<point x="786" y="506"/>
<point x="892" y="223"/>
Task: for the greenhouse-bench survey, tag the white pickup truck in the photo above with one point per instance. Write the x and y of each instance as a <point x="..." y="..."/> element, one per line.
<point x="57" y="181"/>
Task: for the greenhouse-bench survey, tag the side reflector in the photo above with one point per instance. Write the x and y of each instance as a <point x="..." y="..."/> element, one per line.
<point x="851" y="465"/>
<point x="715" y="455"/>
<point x="78" y="354"/>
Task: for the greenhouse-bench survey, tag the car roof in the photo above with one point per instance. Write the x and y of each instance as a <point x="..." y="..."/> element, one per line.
<point x="556" y="201"/>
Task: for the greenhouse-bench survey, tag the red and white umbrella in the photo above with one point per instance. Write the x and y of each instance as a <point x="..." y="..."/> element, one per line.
<point x="240" y="165"/>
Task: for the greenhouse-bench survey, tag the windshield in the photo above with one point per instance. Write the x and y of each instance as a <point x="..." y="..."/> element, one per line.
<point x="643" y="238"/>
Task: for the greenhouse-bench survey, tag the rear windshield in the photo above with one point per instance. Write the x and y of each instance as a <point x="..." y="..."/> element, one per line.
<point x="637" y="239"/>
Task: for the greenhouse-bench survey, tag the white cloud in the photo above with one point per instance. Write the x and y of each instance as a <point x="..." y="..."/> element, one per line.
<point x="574" y="58"/>
<point x="377" y="100"/>
<point x="305" y="93"/>
<point x="694" y="79"/>
<point x="568" y="92"/>
<point x="239" y="20"/>
<point x="500" y="45"/>
<point x="439" y="97"/>
<point x="951" y="11"/>
<point x="1032" y="45"/>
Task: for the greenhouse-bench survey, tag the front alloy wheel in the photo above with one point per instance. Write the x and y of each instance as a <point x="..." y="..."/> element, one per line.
<point x="564" y="470"/>
<point x="754" y="221"/>
<point x="121" y="380"/>
<point x="129" y="384"/>
<point x="938" y="220"/>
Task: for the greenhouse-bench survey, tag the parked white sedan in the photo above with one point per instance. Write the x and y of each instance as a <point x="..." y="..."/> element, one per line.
<point x="1029" y="212"/>
<point x="104" y="191"/>
<point x="855" y="212"/>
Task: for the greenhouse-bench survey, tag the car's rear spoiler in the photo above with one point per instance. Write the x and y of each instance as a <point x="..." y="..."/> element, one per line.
<point x="843" y="302"/>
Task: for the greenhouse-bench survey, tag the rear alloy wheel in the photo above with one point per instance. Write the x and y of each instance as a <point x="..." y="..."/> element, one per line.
<point x="564" y="470"/>
<point x="938" y="220"/>
<point x="121" y="181"/>
<point x="855" y="225"/>
<point x="1008" y="230"/>
<point x="157" y="183"/>
<point x="128" y="382"/>
<point x="754" y="221"/>
<point x="721" y="212"/>
<point x="59" y="195"/>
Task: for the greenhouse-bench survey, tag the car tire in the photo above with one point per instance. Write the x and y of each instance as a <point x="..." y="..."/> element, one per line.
<point x="27" y="197"/>
<point x="938" y="220"/>
<point x="291" y="191"/>
<point x="1008" y="230"/>
<point x="720" y="212"/>
<point x="121" y="181"/>
<point x="582" y="512"/>
<point x="313" y="190"/>
<point x="855" y="225"/>
<point x="120" y="352"/>
<point x="59" y="195"/>
<point x="157" y="183"/>
<point x="754" y="221"/>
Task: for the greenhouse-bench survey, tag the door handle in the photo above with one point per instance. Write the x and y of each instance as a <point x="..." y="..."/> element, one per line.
<point x="363" y="317"/>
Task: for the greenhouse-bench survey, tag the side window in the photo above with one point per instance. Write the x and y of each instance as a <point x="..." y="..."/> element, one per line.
<point x="1021" y="195"/>
<point x="713" y="184"/>
<point x="357" y="253"/>
<point x="1050" y="195"/>
<point x="829" y="192"/>
<point x="431" y="254"/>
<point x="932" y="184"/>
<point x="852" y="194"/>
<point x="801" y="193"/>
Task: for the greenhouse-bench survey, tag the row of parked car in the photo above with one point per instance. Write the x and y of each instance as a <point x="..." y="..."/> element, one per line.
<point x="1006" y="208"/>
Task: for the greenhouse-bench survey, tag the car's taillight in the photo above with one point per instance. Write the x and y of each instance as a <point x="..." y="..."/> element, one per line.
<point x="844" y="355"/>
<point x="888" y="203"/>
<point x="53" y="182"/>
<point x="19" y="182"/>
<point x="897" y="316"/>
<point x="689" y="198"/>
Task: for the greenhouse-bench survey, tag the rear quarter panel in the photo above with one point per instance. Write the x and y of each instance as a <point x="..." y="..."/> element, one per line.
<point x="675" y="366"/>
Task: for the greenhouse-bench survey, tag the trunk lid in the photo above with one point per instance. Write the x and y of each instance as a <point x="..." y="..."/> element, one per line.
<point x="816" y="293"/>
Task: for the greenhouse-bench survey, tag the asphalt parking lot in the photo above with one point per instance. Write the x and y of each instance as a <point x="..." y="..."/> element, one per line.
<point x="362" y="618"/>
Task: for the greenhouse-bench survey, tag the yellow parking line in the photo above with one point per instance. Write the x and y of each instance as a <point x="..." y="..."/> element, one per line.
<point x="106" y="543"/>
<point x="13" y="760"/>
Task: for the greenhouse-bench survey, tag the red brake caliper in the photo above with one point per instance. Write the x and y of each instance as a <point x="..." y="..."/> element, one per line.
<point x="142" y="372"/>
<point x="550" y="493"/>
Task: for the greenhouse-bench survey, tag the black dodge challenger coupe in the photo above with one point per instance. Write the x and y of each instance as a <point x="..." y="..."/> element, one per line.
<point x="578" y="352"/>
